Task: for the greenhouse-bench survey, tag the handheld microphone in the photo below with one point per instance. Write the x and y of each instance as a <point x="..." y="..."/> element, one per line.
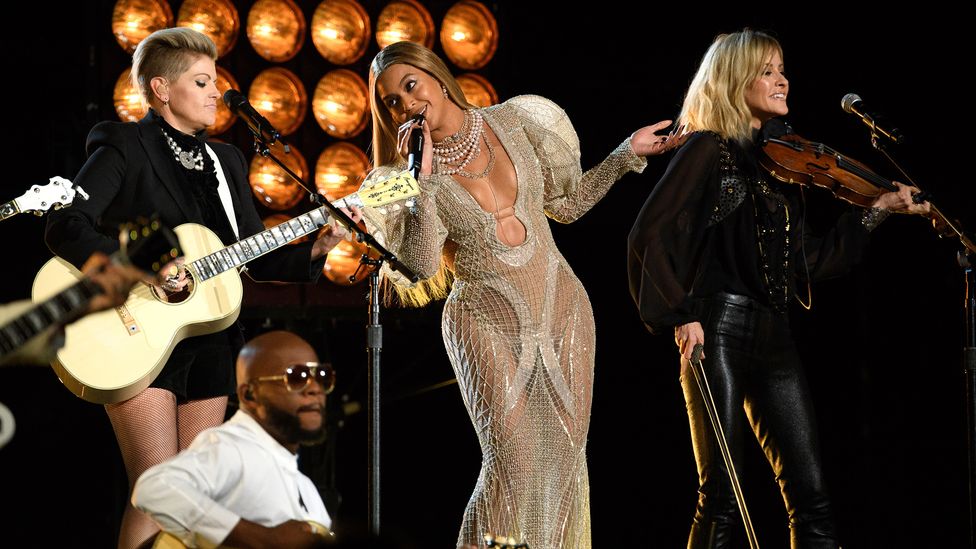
<point x="238" y="104"/>
<point x="415" y="157"/>
<point x="852" y="103"/>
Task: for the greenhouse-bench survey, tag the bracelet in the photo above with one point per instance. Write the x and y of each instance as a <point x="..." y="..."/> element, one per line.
<point x="872" y="217"/>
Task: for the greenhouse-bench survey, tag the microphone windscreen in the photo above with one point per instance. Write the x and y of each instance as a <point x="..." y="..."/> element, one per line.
<point x="234" y="98"/>
<point x="848" y="101"/>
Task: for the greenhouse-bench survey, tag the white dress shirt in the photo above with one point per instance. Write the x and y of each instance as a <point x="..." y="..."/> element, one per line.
<point x="230" y="472"/>
<point x="223" y="191"/>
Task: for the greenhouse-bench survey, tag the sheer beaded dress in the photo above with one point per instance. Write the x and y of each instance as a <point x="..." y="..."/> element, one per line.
<point x="517" y="325"/>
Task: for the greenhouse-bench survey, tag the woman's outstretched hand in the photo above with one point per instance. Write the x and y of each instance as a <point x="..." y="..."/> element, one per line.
<point x="646" y="141"/>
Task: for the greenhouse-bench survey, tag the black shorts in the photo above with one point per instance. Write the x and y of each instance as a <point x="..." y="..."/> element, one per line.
<point x="201" y="367"/>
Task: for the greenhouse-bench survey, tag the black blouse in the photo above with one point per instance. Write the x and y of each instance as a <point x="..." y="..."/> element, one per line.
<point x="202" y="183"/>
<point x="713" y="224"/>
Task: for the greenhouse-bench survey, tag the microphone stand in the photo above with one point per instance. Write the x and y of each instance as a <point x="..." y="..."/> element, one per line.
<point x="965" y="258"/>
<point x="374" y="330"/>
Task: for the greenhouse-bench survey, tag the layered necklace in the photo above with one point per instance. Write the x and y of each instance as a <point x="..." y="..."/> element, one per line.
<point x="189" y="159"/>
<point x="455" y="152"/>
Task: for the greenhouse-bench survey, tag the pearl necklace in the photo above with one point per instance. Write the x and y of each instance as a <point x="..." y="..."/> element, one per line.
<point x="454" y="153"/>
<point x="191" y="160"/>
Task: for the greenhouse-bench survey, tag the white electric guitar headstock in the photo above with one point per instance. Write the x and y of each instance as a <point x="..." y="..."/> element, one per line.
<point x="401" y="186"/>
<point x="57" y="194"/>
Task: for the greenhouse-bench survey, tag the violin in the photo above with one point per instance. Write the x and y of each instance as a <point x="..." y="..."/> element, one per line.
<point x="792" y="159"/>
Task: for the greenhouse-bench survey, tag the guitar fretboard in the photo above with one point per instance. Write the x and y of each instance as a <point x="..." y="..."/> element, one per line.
<point x="255" y="246"/>
<point x="63" y="307"/>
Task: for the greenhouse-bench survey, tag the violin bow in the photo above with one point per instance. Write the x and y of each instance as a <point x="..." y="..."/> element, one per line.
<point x="706" y="392"/>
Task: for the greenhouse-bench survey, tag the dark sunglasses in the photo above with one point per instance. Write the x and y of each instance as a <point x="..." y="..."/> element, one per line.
<point x="298" y="376"/>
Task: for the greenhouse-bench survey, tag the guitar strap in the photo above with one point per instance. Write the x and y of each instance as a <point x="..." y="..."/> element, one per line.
<point x="223" y="190"/>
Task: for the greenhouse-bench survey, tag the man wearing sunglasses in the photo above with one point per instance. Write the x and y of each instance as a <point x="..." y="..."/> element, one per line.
<point x="239" y="484"/>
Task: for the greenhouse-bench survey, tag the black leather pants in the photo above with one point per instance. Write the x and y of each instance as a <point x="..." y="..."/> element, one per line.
<point x="751" y="361"/>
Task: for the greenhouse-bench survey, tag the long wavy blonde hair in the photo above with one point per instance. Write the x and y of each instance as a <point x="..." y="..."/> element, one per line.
<point x="385" y="151"/>
<point x="716" y="98"/>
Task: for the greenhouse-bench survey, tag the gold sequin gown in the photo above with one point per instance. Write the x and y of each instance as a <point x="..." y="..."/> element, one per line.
<point x="517" y="325"/>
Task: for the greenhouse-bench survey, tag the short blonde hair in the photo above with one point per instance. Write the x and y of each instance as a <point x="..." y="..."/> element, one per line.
<point x="715" y="100"/>
<point x="168" y="53"/>
<point x="403" y="53"/>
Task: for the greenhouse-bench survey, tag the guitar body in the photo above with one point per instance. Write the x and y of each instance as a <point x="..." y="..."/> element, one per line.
<point x="112" y="355"/>
<point x="165" y="540"/>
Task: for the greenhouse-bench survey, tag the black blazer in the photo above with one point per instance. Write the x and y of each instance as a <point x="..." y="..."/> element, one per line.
<point x="130" y="173"/>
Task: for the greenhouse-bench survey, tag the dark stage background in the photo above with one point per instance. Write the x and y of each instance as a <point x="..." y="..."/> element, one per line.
<point x="881" y="345"/>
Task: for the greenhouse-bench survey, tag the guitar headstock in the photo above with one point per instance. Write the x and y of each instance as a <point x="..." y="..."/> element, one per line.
<point x="393" y="189"/>
<point x="58" y="193"/>
<point x="148" y="245"/>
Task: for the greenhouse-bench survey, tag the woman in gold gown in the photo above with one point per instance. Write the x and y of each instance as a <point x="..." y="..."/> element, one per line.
<point x="517" y="324"/>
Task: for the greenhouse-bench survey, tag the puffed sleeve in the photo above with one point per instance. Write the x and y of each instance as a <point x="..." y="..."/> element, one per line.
<point x="569" y="193"/>
<point x="413" y="232"/>
<point x="834" y="252"/>
<point x="666" y="242"/>
<point x="71" y="233"/>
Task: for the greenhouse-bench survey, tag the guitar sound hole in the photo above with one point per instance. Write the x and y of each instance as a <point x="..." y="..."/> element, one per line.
<point x="166" y="295"/>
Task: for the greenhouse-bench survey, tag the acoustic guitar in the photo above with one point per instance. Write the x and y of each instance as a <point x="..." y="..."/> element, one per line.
<point x="26" y="327"/>
<point x="166" y="540"/>
<point x="113" y="355"/>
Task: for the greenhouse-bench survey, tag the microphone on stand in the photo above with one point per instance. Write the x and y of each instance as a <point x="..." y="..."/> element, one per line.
<point x="852" y="103"/>
<point x="238" y="104"/>
<point x="415" y="157"/>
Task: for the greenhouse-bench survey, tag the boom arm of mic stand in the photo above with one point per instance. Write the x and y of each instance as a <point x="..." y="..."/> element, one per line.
<point x="262" y="148"/>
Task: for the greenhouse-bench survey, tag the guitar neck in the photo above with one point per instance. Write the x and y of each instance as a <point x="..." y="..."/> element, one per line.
<point x="61" y="308"/>
<point x="9" y="209"/>
<point x="253" y="247"/>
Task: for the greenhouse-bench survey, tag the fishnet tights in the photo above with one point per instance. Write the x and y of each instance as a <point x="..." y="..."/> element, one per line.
<point x="150" y="428"/>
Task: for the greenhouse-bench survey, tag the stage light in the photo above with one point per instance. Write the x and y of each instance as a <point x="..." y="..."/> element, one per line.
<point x="340" y="170"/>
<point x="469" y="34"/>
<point x="276" y="29"/>
<point x="128" y="99"/>
<point x="340" y="104"/>
<point x="133" y="20"/>
<point x="217" y="19"/>
<point x="343" y="260"/>
<point x="477" y="90"/>
<point x="280" y="96"/>
<point x="404" y="20"/>
<point x="274" y="188"/>
<point x="340" y="30"/>
<point x="225" y="118"/>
